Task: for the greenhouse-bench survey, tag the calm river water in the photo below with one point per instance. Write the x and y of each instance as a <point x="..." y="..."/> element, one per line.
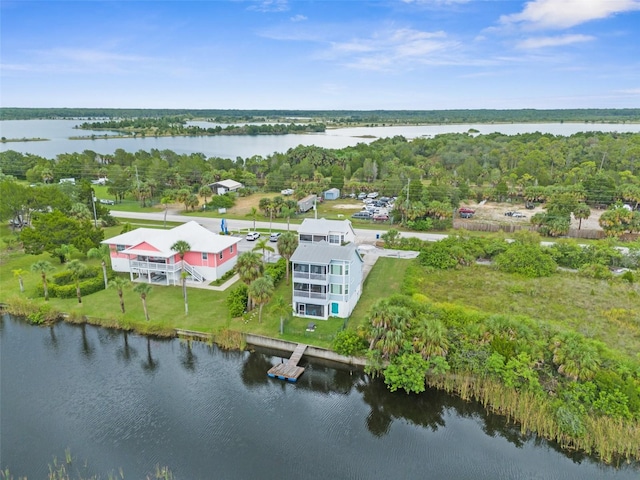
<point x="59" y="131"/>
<point x="129" y="402"/>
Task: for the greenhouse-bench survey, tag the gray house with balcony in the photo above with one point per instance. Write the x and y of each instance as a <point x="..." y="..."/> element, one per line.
<point x="327" y="280"/>
<point x="334" y="232"/>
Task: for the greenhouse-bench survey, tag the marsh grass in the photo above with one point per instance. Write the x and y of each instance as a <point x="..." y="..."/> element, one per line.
<point x="613" y="440"/>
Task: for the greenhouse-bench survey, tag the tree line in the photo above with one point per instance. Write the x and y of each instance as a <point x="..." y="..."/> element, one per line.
<point x="430" y="175"/>
<point x="344" y="116"/>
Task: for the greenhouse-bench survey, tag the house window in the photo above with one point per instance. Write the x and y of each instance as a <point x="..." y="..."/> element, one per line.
<point x="220" y="256"/>
<point x="336" y="269"/>
<point x="231" y="249"/>
<point x="306" y="238"/>
<point x="318" y="269"/>
<point x="335" y="239"/>
<point x="346" y="269"/>
<point x="346" y="289"/>
<point x="301" y="267"/>
<point x="120" y="248"/>
<point x="336" y="288"/>
<point x="205" y="255"/>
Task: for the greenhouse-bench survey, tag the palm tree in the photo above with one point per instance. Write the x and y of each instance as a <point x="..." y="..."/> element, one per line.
<point x="431" y="339"/>
<point x="281" y="308"/>
<point x="43" y="267"/>
<point x="143" y="289"/>
<point x="575" y="357"/>
<point x="182" y="247"/>
<point x="64" y="251"/>
<point x="249" y="266"/>
<point x="581" y="212"/>
<point x="263" y="244"/>
<point x="261" y="291"/>
<point x="205" y="192"/>
<point x="118" y="283"/>
<point x="287" y="211"/>
<point x="183" y="276"/>
<point x="18" y="273"/>
<point x="76" y="267"/>
<point x="287" y="244"/>
<point x="102" y="253"/>
<point x="253" y="213"/>
<point x="166" y="200"/>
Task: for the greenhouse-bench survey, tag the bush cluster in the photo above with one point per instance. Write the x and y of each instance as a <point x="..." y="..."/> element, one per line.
<point x="237" y="300"/>
<point x="87" y="287"/>
<point x="276" y="271"/>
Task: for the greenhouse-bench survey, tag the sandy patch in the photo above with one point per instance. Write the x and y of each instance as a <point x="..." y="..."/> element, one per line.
<point x="495" y="212"/>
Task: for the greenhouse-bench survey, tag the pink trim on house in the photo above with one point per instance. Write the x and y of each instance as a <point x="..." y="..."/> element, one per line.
<point x="113" y="253"/>
<point x="145" y="246"/>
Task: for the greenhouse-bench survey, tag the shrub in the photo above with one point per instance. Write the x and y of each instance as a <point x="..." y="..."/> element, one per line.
<point x="595" y="270"/>
<point x="348" y="342"/>
<point x="222" y="201"/>
<point x="66" y="277"/>
<point x="87" y="287"/>
<point x="276" y="271"/>
<point x="628" y="277"/>
<point x="237" y="300"/>
<point x="526" y="259"/>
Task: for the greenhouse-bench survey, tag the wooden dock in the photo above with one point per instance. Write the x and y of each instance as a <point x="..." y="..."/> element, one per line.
<point x="289" y="371"/>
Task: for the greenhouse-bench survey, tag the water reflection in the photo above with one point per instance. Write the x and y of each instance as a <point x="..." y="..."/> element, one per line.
<point x="150" y="364"/>
<point x="125" y="351"/>
<point x="137" y="401"/>
<point x="187" y="357"/>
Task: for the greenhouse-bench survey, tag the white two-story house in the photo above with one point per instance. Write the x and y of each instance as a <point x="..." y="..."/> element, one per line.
<point x="334" y="232"/>
<point x="327" y="279"/>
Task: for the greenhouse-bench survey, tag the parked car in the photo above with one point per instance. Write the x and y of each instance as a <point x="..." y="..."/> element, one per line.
<point x="363" y="214"/>
<point x="466" y="210"/>
<point x="107" y="202"/>
<point x="381" y="217"/>
<point x="362" y="196"/>
<point x="251" y="236"/>
<point x="286" y="191"/>
<point x="518" y="215"/>
<point x="274" y="237"/>
<point x="373" y="195"/>
<point x="509" y="214"/>
<point x="466" y="215"/>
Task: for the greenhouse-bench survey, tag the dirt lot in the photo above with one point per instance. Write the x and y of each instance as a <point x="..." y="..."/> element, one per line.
<point x="495" y="212"/>
<point x="486" y="211"/>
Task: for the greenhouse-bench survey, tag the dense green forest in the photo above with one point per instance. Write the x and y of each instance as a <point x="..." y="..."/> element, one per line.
<point x="338" y="116"/>
<point x="431" y="175"/>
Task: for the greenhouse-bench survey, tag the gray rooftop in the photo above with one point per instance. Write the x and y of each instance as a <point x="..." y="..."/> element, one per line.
<point x="322" y="253"/>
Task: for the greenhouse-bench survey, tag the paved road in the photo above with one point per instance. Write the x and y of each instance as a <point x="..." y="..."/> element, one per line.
<point x="364" y="236"/>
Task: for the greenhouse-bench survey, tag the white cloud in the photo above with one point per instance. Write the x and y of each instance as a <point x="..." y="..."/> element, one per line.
<point x="270" y="6"/>
<point x="298" y="18"/>
<point x="559" y="14"/>
<point x="390" y="48"/>
<point x="546" y="42"/>
<point x="72" y="60"/>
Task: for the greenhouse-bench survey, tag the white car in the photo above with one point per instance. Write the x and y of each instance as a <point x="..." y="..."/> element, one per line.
<point x="286" y="191"/>
<point x="518" y="215"/>
<point x="251" y="236"/>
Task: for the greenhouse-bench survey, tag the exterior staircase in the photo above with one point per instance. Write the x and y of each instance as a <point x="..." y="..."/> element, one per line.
<point x="195" y="275"/>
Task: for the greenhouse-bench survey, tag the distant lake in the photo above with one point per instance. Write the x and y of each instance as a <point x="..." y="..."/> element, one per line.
<point x="126" y="401"/>
<point x="59" y="131"/>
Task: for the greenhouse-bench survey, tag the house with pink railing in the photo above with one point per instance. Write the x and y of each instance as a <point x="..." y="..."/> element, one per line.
<point x="146" y="254"/>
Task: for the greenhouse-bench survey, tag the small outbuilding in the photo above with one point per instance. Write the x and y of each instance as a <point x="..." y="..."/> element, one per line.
<point x="225" y="186"/>
<point x="332" y="194"/>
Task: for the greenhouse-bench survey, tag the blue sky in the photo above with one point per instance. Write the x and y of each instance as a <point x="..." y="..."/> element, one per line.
<point x="331" y="54"/>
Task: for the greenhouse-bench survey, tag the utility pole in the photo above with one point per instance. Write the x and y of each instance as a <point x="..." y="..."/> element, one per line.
<point x="93" y="202"/>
